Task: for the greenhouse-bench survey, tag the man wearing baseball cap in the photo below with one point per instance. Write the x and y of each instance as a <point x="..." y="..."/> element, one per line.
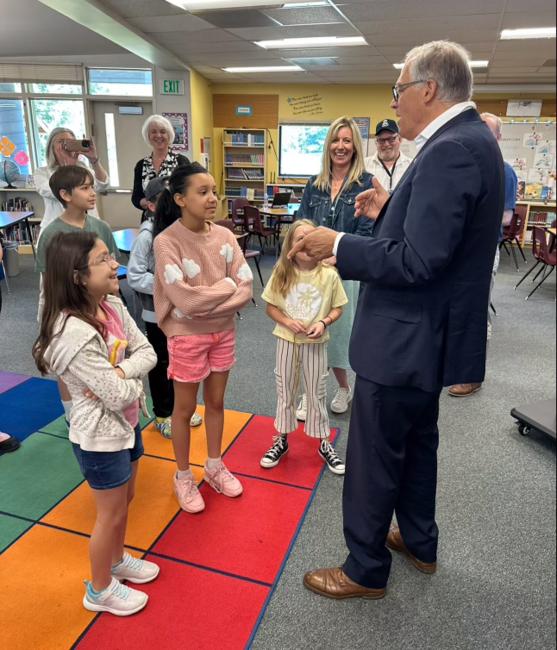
<point x="388" y="163"/>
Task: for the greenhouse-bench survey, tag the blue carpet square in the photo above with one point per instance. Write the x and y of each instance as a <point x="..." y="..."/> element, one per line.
<point x="28" y="407"/>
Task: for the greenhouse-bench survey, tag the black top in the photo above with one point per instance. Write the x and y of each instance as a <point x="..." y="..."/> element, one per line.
<point x="144" y="172"/>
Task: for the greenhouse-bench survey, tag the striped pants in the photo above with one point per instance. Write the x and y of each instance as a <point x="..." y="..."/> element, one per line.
<point x="311" y="359"/>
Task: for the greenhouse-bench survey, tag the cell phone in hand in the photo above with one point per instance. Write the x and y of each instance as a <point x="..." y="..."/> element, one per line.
<point x="77" y="145"/>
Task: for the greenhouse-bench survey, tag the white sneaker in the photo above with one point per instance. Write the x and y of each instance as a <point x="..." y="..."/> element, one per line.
<point x="135" y="570"/>
<point x="196" y="420"/>
<point x="341" y="400"/>
<point x="302" y="410"/>
<point x="116" y="599"/>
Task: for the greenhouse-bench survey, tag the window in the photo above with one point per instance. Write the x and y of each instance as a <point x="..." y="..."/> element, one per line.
<point x="55" y="89"/>
<point x="14" y="146"/>
<point x="122" y="83"/>
<point x="111" y="148"/>
<point x="10" y="88"/>
<point x="47" y="114"/>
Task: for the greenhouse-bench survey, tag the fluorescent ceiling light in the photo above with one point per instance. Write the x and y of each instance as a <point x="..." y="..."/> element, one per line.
<point x="317" y="41"/>
<point x="473" y="64"/>
<point x="303" y="5"/>
<point x="530" y="32"/>
<point x="267" y="68"/>
<point x="208" y="5"/>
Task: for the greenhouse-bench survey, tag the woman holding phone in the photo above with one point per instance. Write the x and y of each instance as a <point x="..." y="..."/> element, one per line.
<point x="63" y="148"/>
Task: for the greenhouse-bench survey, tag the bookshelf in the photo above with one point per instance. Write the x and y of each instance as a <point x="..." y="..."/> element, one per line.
<point x="21" y="199"/>
<point x="535" y="213"/>
<point x="244" y="156"/>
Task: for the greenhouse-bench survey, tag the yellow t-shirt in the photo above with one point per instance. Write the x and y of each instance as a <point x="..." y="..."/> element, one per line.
<point x="309" y="300"/>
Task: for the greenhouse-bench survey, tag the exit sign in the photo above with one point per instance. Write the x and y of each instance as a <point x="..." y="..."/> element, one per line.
<point x="172" y="87"/>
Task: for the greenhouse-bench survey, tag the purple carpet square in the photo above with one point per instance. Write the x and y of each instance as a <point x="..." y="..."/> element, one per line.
<point x="10" y="379"/>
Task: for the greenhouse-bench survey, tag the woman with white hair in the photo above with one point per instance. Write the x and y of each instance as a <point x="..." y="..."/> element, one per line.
<point x="58" y="155"/>
<point x="158" y="134"/>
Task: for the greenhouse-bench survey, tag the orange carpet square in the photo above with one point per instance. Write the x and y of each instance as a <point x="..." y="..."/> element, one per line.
<point x="42" y="588"/>
<point x="151" y="510"/>
<point x="156" y="445"/>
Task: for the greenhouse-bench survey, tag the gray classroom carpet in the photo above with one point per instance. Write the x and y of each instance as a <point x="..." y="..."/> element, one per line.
<point x="495" y="587"/>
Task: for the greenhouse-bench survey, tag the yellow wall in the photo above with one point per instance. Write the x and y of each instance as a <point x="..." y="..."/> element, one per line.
<point x="201" y="112"/>
<point x="311" y="103"/>
<point x="322" y="103"/>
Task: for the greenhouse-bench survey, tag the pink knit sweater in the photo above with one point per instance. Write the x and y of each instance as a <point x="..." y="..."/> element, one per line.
<point x="201" y="280"/>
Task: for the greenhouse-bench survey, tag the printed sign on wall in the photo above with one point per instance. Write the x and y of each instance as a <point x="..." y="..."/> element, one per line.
<point x="179" y="123"/>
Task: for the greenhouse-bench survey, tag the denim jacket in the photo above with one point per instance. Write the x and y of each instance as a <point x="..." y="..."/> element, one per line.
<point x="316" y="205"/>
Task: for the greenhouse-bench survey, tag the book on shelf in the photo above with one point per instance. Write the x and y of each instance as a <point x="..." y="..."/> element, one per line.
<point x="241" y="138"/>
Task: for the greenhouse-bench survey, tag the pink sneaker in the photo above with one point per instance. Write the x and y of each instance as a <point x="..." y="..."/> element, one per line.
<point x="188" y="495"/>
<point x="221" y="480"/>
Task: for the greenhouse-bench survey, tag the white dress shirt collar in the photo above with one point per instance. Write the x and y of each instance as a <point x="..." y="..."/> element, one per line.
<point x="440" y="121"/>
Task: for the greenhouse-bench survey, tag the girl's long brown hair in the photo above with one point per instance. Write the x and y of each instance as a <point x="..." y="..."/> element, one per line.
<point x="67" y="267"/>
<point x="285" y="271"/>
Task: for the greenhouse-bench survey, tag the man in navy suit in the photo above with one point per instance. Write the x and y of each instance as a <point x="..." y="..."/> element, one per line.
<point x="421" y="322"/>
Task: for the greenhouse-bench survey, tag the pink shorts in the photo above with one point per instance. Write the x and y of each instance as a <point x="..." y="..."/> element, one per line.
<point x="193" y="358"/>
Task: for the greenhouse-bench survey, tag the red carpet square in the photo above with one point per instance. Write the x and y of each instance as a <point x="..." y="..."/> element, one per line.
<point x="247" y="536"/>
<point x="301" y="466"/>
<point x="188" y="608"/>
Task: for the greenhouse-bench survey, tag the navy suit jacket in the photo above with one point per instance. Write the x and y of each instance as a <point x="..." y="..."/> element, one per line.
<point x="421" y="319"/>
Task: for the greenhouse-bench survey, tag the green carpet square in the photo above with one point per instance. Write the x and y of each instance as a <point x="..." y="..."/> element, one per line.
<point x="37" y="476"/>
<point x="57" y="427"/>
<point x="10" y="529"/>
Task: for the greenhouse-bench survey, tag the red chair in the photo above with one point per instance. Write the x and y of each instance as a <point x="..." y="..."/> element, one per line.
<point x="511" y="235"/>
<point x="243" y="242"/>
<point x="543" y="256"/>
<point x="253" y="225"/>
<point x="237" y="213"/>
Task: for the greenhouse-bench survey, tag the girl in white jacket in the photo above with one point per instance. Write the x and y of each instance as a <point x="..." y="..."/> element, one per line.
<point x="89" y="340"/>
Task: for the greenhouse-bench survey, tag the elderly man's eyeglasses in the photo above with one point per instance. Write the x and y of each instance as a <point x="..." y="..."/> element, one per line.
<point x="386" y="142"/>
<point x="400" y="88"/>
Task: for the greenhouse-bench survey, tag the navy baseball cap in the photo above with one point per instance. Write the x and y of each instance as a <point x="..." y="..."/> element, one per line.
<point x="386" y="125"/>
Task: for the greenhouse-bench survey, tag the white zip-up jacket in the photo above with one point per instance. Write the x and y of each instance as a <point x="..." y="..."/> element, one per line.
<point x="79" y="355"/>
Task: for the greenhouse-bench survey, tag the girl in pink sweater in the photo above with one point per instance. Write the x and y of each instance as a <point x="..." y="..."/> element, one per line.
<point x="201" y="280"/>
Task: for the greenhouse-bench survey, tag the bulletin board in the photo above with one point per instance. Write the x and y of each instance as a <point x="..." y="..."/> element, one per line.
<point x="529" y="147"/>
<point x="245" y="111"/>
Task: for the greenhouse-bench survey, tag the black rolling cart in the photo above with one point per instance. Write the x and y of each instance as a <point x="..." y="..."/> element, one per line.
<point x="538" y="415"/>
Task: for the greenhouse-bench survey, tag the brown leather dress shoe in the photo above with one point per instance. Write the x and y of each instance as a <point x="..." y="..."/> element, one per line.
<point x="463" y="390"/>
<point x="395" y="543"/>
<point x="334" y="583"/>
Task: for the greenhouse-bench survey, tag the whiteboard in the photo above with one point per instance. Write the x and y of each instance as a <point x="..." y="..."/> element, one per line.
<point x="529" y="147"/>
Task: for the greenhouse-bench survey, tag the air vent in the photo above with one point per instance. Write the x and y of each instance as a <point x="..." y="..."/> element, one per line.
<point x="305" y="16"/>
<point x="315" y="61"/>
<point x="237" y="19"/>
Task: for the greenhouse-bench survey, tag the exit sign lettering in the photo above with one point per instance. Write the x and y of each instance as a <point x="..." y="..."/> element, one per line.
<point x="172" y="87"/>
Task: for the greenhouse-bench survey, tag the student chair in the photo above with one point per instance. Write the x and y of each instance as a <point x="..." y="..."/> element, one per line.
<point x="543" y="256"/>
<point x="511" y="236"/>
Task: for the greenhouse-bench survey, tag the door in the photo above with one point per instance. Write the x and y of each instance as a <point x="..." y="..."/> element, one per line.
<point x="119" y="145"/>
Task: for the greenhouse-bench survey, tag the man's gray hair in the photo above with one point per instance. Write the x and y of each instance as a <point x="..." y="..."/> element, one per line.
<point x="446" y="63"/>
<point x="497" y="120"/>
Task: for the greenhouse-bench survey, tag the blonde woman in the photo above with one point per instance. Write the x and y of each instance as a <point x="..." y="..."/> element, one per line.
<point x="329" y="200"/>
<point x="304" y="298"/>
<point x="58" y="155"/>
<point x="158" y="134"/>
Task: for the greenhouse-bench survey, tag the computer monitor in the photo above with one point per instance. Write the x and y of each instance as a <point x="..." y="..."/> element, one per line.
<point x="281" y="198"/>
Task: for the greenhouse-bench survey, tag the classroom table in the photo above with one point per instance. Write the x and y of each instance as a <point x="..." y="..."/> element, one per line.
<point x="278" y="217"/>
<point x="125" y="238"/>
